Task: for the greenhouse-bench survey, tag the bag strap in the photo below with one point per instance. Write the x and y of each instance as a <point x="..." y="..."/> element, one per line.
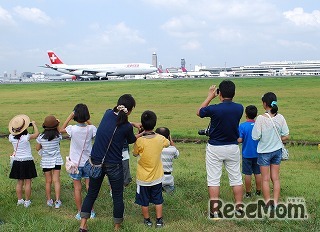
<point x="274" y="126"/>
<point x="15" y="151"/>
<point x="83" y="146"/>
<point x="109" y="145"/>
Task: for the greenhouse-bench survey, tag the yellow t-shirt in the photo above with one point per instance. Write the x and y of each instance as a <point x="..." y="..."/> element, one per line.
<point x="148" y="149"/>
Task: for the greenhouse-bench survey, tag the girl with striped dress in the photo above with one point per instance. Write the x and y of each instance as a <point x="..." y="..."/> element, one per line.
<point x="48" y="146"/>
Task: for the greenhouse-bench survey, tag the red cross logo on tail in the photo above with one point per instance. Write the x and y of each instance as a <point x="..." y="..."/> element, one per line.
<point x="54" y="59"/>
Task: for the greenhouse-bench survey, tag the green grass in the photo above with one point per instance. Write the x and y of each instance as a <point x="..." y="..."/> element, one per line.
<point x="176" y="103"/>
<point x="185" y="209"/>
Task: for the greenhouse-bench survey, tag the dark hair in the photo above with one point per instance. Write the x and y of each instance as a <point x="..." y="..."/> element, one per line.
<point x="148" y="120"/>
<point x="50" y="134"/>
<point x="251" y="111"/>
<point x="227" y="89"/>
<point x="25" y="132"/>
<point x="163" y="131"/>
<point x="271" y="101"/>
<point x="128" y="102"/>
<point x="81" y="113"/>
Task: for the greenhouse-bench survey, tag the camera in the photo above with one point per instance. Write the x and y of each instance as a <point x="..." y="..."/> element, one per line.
<point x="204" y="132"/>
<point x="30" y="124"/>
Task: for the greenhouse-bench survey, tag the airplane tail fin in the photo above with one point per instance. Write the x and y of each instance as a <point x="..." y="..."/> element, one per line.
<point x="184" y="69"/>
<point x="160" y="70"/>
<point x="54" y="59"/>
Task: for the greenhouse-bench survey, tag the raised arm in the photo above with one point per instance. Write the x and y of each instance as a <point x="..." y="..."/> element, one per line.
<point x="65" y="124"/>
<point x="211" y="94"/>
<point x="35" y="131"/>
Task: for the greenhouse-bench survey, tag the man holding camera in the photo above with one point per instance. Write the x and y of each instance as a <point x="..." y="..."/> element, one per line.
<point x="222" y="147"/>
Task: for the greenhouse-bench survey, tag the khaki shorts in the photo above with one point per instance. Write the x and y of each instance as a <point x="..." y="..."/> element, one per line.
<point x="216" y="156"/>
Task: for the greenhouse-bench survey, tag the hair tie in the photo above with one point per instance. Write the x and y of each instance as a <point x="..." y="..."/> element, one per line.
<point x="122" y="108"/>
<point x="274" y="103"/>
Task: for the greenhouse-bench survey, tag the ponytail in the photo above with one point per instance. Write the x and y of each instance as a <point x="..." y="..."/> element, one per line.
<point x="271" y="101"/>
<point x="125" y="105"/>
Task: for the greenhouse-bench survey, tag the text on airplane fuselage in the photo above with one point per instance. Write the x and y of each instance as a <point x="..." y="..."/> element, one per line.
<point x="132" y="66"/>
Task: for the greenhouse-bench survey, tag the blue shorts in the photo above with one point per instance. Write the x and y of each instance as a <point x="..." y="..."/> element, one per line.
<point x="149" y="194"/>
<point x="250" y="166"/>
<point x="80" y="175"/>
<point x="266" y="159"/>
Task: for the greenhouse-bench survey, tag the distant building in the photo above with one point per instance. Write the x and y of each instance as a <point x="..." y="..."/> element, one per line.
<point x="26" y="75"/>
<point x="154" y="60"/>
<point x="183" y="63"/>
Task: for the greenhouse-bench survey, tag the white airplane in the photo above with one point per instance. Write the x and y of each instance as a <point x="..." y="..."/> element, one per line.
<point x="99" y="71"/>
<point x="195" y="73"/>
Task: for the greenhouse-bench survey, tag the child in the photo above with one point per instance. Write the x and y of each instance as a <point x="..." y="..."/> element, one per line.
<point x="51" y="160"/>
<point x="249" y="151"/>
<point x="167" y="156"/>
<point x="81" y="136"/>
<point x="149" y="168"/>
<point x="23" y="168"/>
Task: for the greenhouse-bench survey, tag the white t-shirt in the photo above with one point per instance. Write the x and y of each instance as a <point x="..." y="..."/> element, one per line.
<point x="81" y="139"/>
<point x="264" y="131"/>
<point x="23" y="152"/>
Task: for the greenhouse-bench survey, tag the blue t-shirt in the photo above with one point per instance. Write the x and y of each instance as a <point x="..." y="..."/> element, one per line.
<point x="249" y="146"/>
<point x="105" y="130"/>
<point x="224" y="123"/>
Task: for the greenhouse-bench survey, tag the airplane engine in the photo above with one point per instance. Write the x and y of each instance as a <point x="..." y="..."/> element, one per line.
<point x="78" y="72"/>
<point x="101" y="74"/>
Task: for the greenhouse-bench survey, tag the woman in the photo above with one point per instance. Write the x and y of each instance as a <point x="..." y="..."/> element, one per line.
<point x="269" y="146"/>
<point x="114" y="125"/>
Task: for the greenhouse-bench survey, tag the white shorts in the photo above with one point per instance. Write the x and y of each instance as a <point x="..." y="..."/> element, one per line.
<point x="216" y="156"/>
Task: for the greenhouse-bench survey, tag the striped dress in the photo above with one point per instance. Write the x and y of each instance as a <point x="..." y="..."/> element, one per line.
<point x="50" y="152"/>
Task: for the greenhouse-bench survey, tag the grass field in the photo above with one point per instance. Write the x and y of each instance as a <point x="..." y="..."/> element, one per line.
<point x="176" y="103"/>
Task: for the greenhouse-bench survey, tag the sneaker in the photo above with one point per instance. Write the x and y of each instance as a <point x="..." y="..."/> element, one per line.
<point x="93" y="214"/>
<point x="82" y="230"/>
<point x="20" y="202"/>
<point x="27" y="203"/>
<point x="148" y="222"/>
<point x="78" y="216"/>
<point x="258" y="192"/>
<point x="57" y="204"/>
<point x="159" y="223"/>
<point x="50" y="202"/>
<point x="248" y="195"/>
<point x="217" y="215"/>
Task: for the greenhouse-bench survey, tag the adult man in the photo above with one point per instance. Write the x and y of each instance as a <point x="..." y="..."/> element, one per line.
<point x="222" y="146"/>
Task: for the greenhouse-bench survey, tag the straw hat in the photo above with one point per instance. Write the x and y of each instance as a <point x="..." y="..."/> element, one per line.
<point x="18" y="124"/>
<point x="50" y="123"/>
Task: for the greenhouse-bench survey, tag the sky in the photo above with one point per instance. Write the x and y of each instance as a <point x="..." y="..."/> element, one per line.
<point x="211" y="33"/>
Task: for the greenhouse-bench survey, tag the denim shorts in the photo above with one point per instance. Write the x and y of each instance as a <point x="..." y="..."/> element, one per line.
<point x="250" y="166"/>
<point x="266" y="159"/>
<point x="80" y="175"/>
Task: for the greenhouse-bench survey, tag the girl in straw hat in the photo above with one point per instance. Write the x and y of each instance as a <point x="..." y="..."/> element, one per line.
<point x="51" y="160"/>
<point x="23" y="168"/>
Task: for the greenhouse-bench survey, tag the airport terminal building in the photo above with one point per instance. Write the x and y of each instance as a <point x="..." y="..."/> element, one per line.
<point x="282" y="68"/>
